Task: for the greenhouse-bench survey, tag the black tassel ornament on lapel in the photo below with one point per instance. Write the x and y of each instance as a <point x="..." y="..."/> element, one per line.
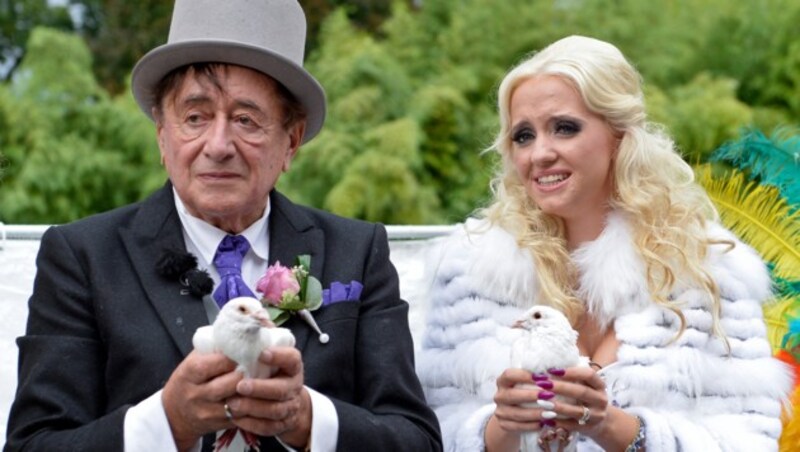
<point x="177" y="265"/>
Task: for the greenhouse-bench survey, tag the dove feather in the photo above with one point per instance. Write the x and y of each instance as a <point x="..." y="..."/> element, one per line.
<point x="241" y="332"/>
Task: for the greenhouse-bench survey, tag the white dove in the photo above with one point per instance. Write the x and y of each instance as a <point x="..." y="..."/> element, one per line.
<point x="241" y="332"/>
<point x="548" y="341"/>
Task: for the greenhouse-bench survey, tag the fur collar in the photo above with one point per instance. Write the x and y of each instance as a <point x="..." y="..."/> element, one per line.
<point x="612" y="274"/>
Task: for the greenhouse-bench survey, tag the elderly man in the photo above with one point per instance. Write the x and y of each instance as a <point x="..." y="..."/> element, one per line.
<point x="107" y="362"/>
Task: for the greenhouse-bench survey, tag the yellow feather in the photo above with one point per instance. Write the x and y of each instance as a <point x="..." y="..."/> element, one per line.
<point x="776" y="315"/>
<point x="759" y="216"/>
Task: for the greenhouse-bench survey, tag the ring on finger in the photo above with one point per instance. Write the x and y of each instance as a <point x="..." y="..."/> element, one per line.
<point x="228" y="413"/>
<point x="585" y="416"/>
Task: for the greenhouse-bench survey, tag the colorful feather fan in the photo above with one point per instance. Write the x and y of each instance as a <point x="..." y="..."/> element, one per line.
<point x="764" y="211"/>
<point x="773" y="161"/>
<point x="758" y="215"/>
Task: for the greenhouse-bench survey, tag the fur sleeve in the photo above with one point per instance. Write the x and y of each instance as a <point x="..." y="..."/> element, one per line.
<point x="472" y="297"/>
<point x="698" y="392"/>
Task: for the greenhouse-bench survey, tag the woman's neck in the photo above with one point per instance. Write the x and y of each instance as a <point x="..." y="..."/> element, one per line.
<point x="584" y="228"/>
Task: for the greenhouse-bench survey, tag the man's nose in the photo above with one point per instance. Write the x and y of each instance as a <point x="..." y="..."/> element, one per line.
<point x="219" y="139"/>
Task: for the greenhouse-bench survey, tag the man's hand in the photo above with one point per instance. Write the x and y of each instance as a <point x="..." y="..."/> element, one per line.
<point x="276" y="406"/>
<point x="195" y="394"/>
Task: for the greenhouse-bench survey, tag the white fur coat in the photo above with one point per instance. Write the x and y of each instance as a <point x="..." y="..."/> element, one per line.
<point x="692" y="395"/>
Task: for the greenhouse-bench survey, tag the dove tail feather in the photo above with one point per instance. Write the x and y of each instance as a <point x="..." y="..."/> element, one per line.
<point x="251" y="440"/>
<point x="228" y="436"/>
<point x="225" y="439"/>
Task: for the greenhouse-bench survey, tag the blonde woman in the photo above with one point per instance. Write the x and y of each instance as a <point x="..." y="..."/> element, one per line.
<point x="597" y="215"/>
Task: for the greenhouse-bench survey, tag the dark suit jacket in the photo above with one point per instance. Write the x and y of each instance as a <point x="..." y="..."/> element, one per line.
<point x="105" y="330"/>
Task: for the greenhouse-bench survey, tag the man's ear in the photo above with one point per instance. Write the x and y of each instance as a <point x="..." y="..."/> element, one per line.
<point x="159" y="132"/>
<point x="296" y="133"/>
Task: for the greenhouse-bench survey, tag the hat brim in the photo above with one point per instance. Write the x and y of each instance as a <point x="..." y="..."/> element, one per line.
<point x="159" y="62"/>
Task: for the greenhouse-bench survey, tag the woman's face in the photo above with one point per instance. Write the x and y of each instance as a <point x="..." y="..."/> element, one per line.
<point x="563" y="152"/>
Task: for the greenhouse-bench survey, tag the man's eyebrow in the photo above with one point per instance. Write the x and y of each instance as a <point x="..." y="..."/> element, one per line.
<point x="200" y="99"/>
<point x="248" y="105"/>
<point x="194" y="99"/>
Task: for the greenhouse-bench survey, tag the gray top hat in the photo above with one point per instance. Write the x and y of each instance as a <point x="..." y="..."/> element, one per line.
<point x="265" y="35"/>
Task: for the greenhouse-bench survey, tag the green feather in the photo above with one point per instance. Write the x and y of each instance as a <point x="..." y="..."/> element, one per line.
<point x="774" y="161"/>
<point x="759" y="216"/>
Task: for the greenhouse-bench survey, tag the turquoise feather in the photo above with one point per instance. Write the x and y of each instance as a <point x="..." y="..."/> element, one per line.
<point x="791" y="340"/>
<point x="784" y="287"/>
<point x="772" y="160"/>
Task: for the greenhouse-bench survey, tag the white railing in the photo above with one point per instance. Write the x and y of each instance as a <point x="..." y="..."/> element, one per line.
<point x="21" y="232"/>
<point x="395" y="232"/>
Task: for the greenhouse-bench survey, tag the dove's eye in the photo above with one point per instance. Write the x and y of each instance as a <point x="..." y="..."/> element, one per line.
<point x="242" y="309"/>
<point x="537" y="315"/>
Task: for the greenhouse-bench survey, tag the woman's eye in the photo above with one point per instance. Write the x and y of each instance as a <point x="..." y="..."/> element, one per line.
<point x="567" y="128"/>
<point x="523" y="136"/>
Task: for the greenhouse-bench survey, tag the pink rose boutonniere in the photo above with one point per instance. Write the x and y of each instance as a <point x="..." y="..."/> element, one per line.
<point x="289" y="291"/>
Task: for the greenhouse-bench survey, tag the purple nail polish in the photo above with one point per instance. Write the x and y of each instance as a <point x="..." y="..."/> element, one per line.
<point x="539" y="377"/>
<point x="545" y="395"/>
<point x="545" y="384"/>
<point x="547" y="423"/>
<point x="557" y="372"/>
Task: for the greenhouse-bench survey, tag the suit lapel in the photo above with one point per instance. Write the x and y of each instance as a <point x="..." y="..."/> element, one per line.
<point x="156" y="228"/>
<point x="292" y="233"/>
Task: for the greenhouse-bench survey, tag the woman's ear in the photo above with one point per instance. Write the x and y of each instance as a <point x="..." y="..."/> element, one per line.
<point x="620" y="135"/>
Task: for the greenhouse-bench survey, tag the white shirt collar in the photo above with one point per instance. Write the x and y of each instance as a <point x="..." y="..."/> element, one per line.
<point x="206" y="237"/>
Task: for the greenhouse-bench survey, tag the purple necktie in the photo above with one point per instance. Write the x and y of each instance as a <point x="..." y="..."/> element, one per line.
<point x="228" y="260"/>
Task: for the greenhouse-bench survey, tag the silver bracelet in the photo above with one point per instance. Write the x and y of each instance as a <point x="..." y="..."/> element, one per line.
<point x="637" y="444"/>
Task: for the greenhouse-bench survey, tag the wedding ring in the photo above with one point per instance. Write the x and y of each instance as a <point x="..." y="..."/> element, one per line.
<point x="585" y="417"/>
<point x="228" y="413"/>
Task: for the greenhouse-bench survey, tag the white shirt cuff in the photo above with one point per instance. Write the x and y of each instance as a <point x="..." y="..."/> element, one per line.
<point x="324" y="424"/>
<point x="146" y="427"/>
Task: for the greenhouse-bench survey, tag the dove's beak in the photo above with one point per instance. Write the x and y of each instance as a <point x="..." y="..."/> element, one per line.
<point x="517" y="324"/>
<point x="263" y="319"/>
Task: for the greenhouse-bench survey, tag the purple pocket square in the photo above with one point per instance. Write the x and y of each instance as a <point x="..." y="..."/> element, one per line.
<point x="341" y="292"/>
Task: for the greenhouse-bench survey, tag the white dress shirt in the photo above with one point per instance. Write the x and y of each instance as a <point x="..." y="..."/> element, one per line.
<point x="146" y="427"/>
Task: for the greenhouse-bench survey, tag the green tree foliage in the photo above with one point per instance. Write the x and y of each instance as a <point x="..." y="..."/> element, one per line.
<point x="17" y="19"/>
<point x="367" y="15"/>
<point x="700" y="114"/>
<point x="70" y="150"/>
<point x="411" y="97"/>
<point x="119" y="32"/>
<point x="439" y="67"/>
<point x="758" y="44"/>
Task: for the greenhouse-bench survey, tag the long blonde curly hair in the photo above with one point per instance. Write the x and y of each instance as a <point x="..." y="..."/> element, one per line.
<point x="654" y="187"/>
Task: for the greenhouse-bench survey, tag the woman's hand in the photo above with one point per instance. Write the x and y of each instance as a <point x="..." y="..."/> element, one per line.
<point x="583" y="402"/>
<point x="517" y="409"/>
<point x="583" y="406"/>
